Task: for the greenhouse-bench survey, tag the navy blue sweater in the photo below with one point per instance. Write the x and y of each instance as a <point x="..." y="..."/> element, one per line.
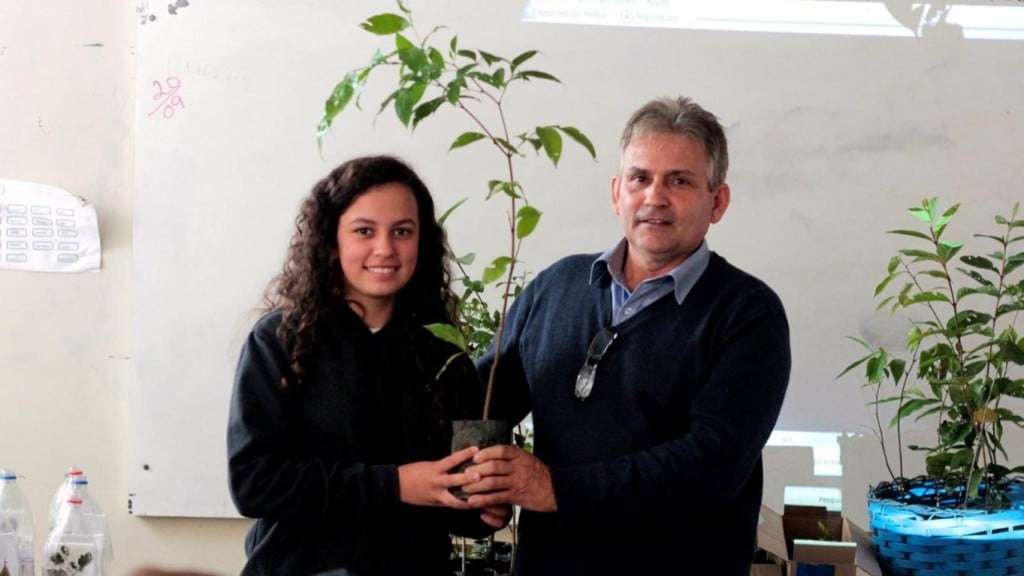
<point x="659" y="470"/>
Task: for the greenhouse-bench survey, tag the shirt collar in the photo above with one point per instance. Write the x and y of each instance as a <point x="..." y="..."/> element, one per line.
<point x="683" y="276"/>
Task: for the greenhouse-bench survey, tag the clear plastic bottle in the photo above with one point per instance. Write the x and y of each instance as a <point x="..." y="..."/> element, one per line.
<point x="71" y="549"/>
<point x="62" y="494"/>
<point x="95" y="518"/>
<point x="17" y="528"/>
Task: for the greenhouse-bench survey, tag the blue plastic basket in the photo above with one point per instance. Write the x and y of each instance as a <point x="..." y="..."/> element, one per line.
<point x="919" y="540"/>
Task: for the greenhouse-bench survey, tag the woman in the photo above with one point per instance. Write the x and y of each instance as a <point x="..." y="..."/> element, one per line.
<point x="339" y="425"/>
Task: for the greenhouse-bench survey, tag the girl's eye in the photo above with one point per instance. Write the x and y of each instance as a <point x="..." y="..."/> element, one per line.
<point x="403" y="232"/>
<point x="363" y="231"/>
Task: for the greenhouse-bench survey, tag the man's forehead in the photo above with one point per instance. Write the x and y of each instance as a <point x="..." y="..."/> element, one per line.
<point x="665" y="153"/>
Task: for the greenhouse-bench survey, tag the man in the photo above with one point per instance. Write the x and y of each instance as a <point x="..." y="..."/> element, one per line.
<point x="655" y="373"/>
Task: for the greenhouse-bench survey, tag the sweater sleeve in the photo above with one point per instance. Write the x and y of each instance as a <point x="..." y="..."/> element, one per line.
<point x="511" y="395"/>
<point x="267" y="478"/>
<point x="732" y="417"/>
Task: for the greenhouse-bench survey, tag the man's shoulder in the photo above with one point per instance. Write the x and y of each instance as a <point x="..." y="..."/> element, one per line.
<point x="571" y="270"/>
<point x="737" y="284"/>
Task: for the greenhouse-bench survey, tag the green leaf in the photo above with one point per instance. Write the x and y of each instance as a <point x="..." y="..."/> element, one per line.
<point x="976" y="277"/>
<point x="920" y="255"/>
<point x="490" y="58"/>
<point x="921" y="214"/>
<point x="467" y="54"/>
<point x="913" y="233"/>
<point x="527" y="74"/>
<point x="504" y="186"/>
<point x="466" y="138"/>
<point x="911" y="406"/>
<point x="498" y="78"/>
<point x="466" y="259"/>
<point x="1011" y="352"/>
<point x="580" y="138"/>
<point x="383" y="24"/>
<point x="507" y="146"/>
<point x="436" y="60"/>
<point x="991" y="237"/>
<point x="940" y="223"/>
<point x="518" y="60"/>
<point x="1014" y="262"/>
<point x="948" y="249"/>
<point x="894" y="263"/>
<point x="448" y="333"/>
<point x="402" y="7"/>
<point x="885" y="302"/>
<point x="339" y="98"/>
<point x="927" y="297"/>
<point x="853" y="365"/>
<point x="978" y="262"/>
<point x="453" y="92"/>
<point x="526" y="220"/>
<point x="441" y="220"/>
<point x="914" y="337"/>
<point x="875" y="370"/>
<point x="936" y="274"/>
<point x="406" y="100"/>
<point x="497" y="269"/>
<point x="552" y="142"/>
<point x="896" y="368"/>
<point x="426" y="109"/>
<point x="936" y="464"/>
<point x="885" y="282"/>
<point x="973" y="482"/>
<point x="410" y="54"/>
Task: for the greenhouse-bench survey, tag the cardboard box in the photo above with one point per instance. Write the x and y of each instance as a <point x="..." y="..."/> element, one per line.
<point x="813" y="536"/>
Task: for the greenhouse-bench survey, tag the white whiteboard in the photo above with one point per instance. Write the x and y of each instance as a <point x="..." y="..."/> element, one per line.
<point x="831" y="137"/>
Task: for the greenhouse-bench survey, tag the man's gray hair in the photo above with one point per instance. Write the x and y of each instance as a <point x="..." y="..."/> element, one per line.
<point x="684" y="117"/>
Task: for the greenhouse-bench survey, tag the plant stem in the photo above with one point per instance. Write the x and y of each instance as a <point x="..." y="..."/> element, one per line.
<point x="881" y="433"/>
<point x="514" y="250"/>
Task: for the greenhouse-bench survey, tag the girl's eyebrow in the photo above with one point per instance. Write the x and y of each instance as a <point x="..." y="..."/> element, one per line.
<point x="364" y="221"/>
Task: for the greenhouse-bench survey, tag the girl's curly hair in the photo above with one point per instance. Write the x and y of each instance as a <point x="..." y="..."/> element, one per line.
<point x="310" y="286"/>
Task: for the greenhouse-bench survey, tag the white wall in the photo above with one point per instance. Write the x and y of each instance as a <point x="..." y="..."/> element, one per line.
<point x="65" y="340"/>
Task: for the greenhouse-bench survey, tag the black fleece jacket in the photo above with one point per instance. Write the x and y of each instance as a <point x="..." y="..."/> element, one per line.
<point x="316" y="464"/>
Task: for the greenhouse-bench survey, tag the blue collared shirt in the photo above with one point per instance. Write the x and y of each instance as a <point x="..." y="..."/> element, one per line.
<point x="626" y="304"/>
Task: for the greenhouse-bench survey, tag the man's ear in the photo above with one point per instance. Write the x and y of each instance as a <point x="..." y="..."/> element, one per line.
<point x="615" y="193"/>
<point x="721" y="203"/>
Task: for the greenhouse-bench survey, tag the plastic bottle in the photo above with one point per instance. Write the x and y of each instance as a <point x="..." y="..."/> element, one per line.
<point x="71" y="549"/>
<point x="17" y="528"/>
<point x="62" y="494"/>
<point x="95" y="519"/>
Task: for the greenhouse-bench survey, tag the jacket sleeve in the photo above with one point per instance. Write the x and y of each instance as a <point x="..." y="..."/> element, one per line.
<point x="268" y="479"/>
<point x="732" y="417"/>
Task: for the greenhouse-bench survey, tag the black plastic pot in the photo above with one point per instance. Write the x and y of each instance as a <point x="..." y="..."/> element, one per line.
<point x="480" y="433"/>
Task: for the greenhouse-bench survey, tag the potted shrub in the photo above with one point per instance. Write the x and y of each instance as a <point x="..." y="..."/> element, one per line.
<point x="431" y="76"/>
<point x="960" y="368"/>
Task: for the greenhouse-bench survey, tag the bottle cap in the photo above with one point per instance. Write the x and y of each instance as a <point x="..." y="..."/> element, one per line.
<point x="8" y="475"/>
